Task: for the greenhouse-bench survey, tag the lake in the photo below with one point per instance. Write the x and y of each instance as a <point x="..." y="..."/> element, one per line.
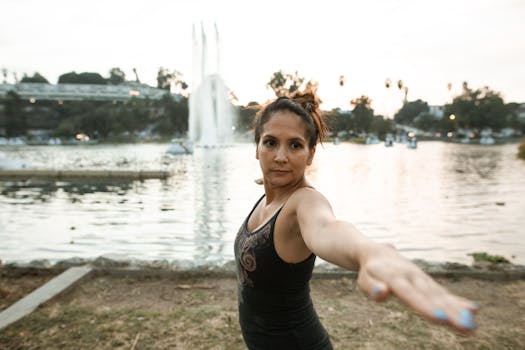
<point x="438" y="202"/>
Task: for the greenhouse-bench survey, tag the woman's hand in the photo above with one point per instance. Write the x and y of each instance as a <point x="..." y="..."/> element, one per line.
<point x="386" y="272"/>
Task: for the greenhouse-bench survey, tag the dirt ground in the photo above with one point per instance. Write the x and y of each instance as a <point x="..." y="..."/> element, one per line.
<point x="200" y="312"/>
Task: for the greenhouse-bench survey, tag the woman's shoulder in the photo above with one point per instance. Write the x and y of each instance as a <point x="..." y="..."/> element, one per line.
<point x="306" y="203"/>
<point x="306" y="195"/>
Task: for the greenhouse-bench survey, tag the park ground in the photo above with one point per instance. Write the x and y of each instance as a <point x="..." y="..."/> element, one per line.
<point x="196" y="311"/>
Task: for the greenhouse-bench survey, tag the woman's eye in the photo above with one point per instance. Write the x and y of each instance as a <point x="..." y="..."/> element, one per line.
<point x="269" y="143"/>
<point x="296" y="145"/>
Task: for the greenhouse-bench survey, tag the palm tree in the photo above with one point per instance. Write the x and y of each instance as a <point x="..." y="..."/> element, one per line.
<point x="136" y="75"/>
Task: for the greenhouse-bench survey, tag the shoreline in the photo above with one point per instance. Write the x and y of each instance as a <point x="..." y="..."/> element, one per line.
<point x="118" y="266"/>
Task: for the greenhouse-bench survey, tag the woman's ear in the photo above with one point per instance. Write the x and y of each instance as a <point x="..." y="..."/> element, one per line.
<point x="311" y="156"/>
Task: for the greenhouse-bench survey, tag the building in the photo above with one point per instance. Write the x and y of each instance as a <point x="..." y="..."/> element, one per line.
<point x="76" y="92"/>
<point x="437" y="111"/>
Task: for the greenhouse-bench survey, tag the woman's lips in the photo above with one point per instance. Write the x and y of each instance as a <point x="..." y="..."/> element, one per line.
<point x="278" y="171"/>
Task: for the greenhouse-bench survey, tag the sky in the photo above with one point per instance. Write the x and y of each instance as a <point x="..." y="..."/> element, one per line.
<point x="426" y="44"/>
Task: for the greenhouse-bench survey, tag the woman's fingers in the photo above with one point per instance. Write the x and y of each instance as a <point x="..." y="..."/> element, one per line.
<point x="418" y="291"/>
<point x="376" y="289"/>
<point x="435" y="303"/>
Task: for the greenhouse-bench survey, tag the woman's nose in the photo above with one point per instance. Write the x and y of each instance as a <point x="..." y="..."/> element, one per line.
<point x="281" y="155"/>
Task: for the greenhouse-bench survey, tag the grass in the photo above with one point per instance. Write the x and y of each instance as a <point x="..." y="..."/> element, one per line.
<point x="201" y="313"/>
<point x="81" y="327"/>
<point x="486" y="257"/>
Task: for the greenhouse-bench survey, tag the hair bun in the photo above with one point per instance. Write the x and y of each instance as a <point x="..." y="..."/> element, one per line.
<point x="309" y="106"/>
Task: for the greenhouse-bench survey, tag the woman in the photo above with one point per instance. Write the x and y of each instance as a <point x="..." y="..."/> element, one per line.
<point x="292" y="223"/>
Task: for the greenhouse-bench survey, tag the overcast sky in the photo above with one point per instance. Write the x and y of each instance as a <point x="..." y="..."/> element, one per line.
<point x="427" y="44"/>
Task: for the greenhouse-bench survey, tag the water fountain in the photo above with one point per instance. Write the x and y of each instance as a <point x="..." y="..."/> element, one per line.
<point x="210" y="109"/>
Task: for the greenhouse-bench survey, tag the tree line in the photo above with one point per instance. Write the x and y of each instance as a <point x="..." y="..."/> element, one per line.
<point x="166" y="79"/>
<point x="101" y="120"/>
<point x="166" y="117"/>
<point x="472" y="109"/>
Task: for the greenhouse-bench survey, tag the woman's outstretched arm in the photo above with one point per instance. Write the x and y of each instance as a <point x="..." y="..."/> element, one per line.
<point x="382" y="271"/>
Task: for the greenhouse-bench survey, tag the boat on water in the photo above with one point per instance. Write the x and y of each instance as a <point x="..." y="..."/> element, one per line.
<point x="389" y="140"/>
<point x="486" y="137"/>
<point x="12" y="141"/>
<point x="487" y="140"/>
<point x="371" y="140"/>
<point x="54" y="141"/>
<point x="412" y="142"/>
<point x="180" y="146"/>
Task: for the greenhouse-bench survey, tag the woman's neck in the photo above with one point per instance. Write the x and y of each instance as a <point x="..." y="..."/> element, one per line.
<point x="279" y="194"/>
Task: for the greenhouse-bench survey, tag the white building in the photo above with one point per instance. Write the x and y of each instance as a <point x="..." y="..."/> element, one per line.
<point x="75" y="92"/>
<point x="437" y="111"/>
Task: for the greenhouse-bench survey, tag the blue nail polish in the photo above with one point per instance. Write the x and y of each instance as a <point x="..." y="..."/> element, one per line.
<point x="466" y="319"/>
<point x="440" y="314"/>
<point x="376" y="290"/>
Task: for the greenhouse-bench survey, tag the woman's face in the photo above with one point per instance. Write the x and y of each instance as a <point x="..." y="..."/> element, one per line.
<point x="283" y="151"/>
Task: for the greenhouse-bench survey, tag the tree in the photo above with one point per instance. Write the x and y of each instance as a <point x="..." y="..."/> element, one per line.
<point x="116" y="76"/>
<point x="36" y="78"/>
<point x="173" y="118"/>
<point x="4" y="73"/>
<point x="283" y="83"/>
<point x="512" y="119"/>
<point x="15" y="124"/>
<point x="136" y="75"/>
<point x="362" y="114"/>
<point x="81" y="78"/>
<point x="246" y="116"/>
<point x="381" y="126"/>
<point x="427" y="121"/>
<point x="479" y="108"/>
<point x="166" y="78"/>
<point x="339" y="120"/>
<point x="410" y="111"/>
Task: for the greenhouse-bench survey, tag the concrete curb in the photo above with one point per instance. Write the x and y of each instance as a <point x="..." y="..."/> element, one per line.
<point x="84" y="174"/>
<point x="490" y="272"/>
<point x="30" y="302"/>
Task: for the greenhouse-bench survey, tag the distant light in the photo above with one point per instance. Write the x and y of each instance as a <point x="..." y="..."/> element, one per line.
<point x="82" y="137"/>
<point x="452" y="117"/>
<point x="32" y="100"/>
<point x="450" y="134"/>
<point x="411" y="134"/>
<point x="60" y="102"/>
<point x="134" y="92"/>
<point x="438" y="134"/>
<point x="233" y="127"/>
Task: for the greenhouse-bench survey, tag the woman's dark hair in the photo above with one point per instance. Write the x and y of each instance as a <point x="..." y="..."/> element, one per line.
<point x="303" y="103"/>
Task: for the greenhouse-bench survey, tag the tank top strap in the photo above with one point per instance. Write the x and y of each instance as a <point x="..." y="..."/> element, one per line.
<point x="286" y="201"/>
<point x="274" y="217"/>
<point x="245" y="224"/>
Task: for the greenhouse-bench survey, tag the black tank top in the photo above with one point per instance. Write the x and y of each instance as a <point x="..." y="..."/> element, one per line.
<point x="275" y="308"/>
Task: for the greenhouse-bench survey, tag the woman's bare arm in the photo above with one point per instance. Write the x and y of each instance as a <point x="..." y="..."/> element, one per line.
<point x="381" y="269"/>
